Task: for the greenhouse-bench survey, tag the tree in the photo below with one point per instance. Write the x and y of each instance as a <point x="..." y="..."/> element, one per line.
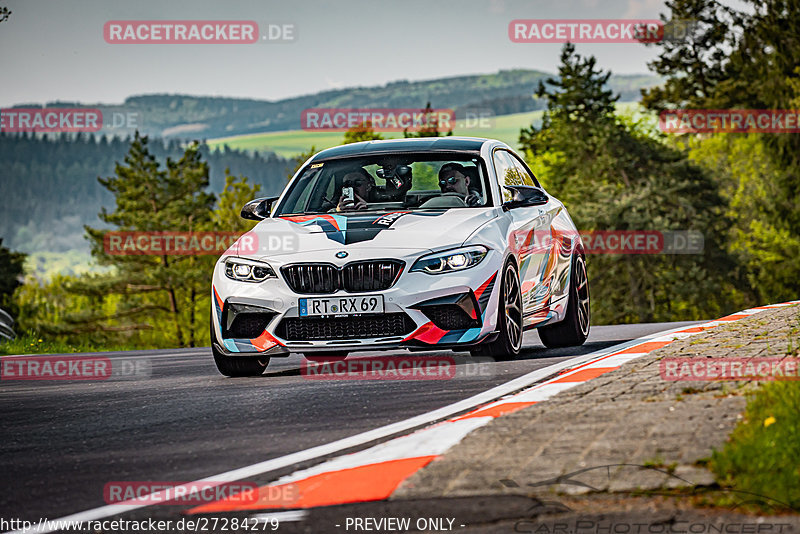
<point x="160" y="290"/>
<point x="694" y="66"/>
<point x="226" y="216"/>
<point x="431" y="128"/>
<point x="11" y="269"/>
<point x="364" y="132"/>
<point x="617" y="174"/>
<point x="736" y="60"/>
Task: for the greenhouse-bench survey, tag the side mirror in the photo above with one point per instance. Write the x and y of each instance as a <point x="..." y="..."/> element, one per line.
<point x="525" y="195"/>
<point x="258" y="209"/>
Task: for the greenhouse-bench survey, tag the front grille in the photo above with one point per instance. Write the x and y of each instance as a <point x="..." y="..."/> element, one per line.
<point x="248" y="325"/>
<point x="307" y="329"/>
<point x="312" y="277"/>
<point x="449" y="317"/>
<point x="370" y="275"/>
<point x="355" y="277"/>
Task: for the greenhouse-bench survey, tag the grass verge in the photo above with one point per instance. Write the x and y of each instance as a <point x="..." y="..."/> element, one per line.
<point x="762" y="456"/>
<point x="30" y="343"/>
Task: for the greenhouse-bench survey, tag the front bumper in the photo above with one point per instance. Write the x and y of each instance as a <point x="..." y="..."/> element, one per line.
<point x="473" y="290"/>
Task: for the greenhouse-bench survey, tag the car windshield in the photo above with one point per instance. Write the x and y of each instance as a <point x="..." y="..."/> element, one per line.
<point x="388" y="182"/>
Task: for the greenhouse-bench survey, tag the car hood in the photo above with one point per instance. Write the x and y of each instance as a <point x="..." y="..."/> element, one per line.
<point x="428" y="229"/>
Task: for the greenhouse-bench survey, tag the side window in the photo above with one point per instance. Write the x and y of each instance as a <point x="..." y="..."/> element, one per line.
<point x="507" y="173"/>
<point x="527" y="177"/>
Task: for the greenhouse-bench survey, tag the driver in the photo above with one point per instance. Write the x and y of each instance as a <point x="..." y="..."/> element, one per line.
<point x="454" y="178"/>
<point x="363" y="185"/>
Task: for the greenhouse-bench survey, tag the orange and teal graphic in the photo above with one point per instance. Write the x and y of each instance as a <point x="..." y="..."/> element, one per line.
<point x="355" y="228"/>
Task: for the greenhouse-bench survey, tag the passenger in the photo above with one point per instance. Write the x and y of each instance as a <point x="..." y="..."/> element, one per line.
<point x="454" y="178"/>
<point x="363" y="185"/>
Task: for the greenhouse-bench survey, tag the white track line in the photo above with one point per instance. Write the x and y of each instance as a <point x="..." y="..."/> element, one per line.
<point x="375" y="434"/>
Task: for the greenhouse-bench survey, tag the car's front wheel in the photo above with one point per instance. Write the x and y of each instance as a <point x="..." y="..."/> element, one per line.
<point x="235" y="366"/>
<point x="509" y="319"/>
<point x="574" y="329"/>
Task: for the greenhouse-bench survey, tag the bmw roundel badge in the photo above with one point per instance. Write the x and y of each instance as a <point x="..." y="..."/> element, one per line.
<point x="341" y="254"/>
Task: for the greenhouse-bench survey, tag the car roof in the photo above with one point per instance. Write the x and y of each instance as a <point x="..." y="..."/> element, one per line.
<point x="416" y="144"/>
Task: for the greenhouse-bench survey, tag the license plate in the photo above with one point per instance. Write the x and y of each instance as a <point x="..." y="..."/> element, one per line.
<point x="341" y="305"/>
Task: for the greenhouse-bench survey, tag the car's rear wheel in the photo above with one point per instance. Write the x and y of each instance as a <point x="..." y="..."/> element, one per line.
<point x="332" y="356"/>
<point x="574" y="329"/>
<point x="235" y="366"/>
<point x="509" y="319"/>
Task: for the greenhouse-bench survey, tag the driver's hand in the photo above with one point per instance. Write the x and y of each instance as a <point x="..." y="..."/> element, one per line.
<point x="347" y="205"/>
<point x="473" y="199"/>
<point x="344" y="204"/>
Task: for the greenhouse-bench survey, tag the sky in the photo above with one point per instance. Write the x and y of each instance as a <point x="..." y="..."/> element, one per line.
<point x="55" y="50"/>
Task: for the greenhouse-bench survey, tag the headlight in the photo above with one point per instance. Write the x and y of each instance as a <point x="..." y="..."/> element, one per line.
<point x="451" y="260"/>
<point x="243" y="270"/>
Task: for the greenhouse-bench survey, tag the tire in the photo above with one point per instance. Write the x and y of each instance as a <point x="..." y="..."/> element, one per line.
<point x="322" y="357"/>
<point x="574" y="329"/>
<point x="508" y="344"/>
<point x="236" y="366"/>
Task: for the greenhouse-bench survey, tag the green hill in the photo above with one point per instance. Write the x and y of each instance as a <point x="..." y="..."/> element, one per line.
<point x="199" y="117"/>
<point x="290" y="143"/>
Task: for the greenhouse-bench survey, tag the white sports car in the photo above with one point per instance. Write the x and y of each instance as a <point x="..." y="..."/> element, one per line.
<point x="422" y="244"/>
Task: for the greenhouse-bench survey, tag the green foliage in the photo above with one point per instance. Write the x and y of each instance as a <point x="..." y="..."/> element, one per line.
<point x="32" y="343"/>
<point x="581" y="95"/>
<point x="431" y="128"/>
<point x="364" y="132"/>
<point x="131" y="303"/>
<point x="693" y="66"/>
<point x="615" y="173"/>
<point x="11" y="267"/>
<point x="165" y="289"/>
<point x="48" y="183"/>
<point x="142" y="300"/>
<point x="237" y="192"/>
<point x="738" y="60"/>
<point x="761" y="455"/>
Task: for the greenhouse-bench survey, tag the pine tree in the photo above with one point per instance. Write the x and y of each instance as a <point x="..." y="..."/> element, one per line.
<point x="11" y="268"/>
<point x="363" y="132"/>
<point x="748" y="61"/>
<point x="431" y="128"/>
<point x="614" y="174"/>
<point x="152" y="199"/>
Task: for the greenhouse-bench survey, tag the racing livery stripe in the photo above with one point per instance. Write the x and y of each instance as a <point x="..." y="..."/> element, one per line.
<point x="261" y="343"/>
<point x="375" y="473"/>
<point x="427" y="333"/>
<point x="217" y="307"/>
<point x="432" y="334"/>
<point x="348" y="229"/>
<point x="484" y="292"/>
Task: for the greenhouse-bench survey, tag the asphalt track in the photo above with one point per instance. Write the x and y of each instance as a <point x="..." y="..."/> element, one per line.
<point x="64" y="440"/>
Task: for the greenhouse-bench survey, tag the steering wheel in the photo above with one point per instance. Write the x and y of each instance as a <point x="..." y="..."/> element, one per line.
<point x="446" y="200"/>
